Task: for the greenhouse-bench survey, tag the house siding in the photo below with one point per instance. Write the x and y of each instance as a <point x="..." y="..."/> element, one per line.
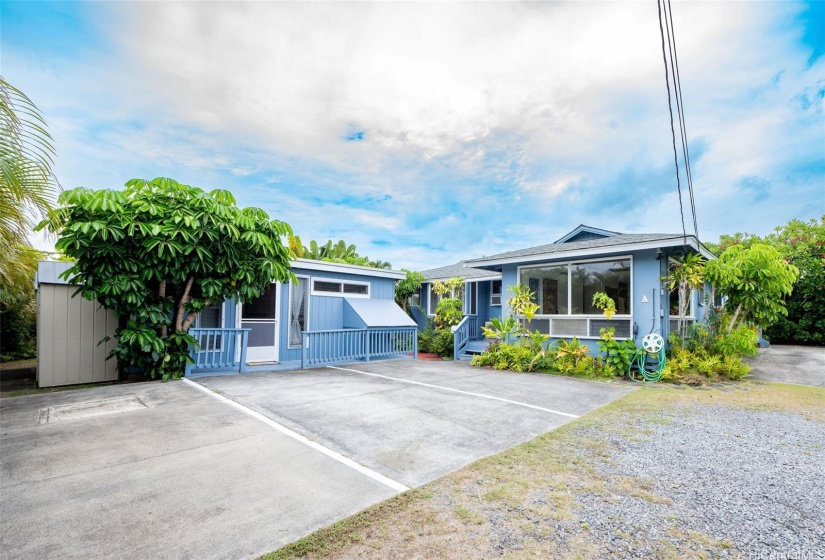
<point x="325" y="312"/>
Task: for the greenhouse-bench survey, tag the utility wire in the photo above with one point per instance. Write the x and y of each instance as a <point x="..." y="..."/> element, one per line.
<point x="680" y="105"/>
<point x="672" y="128"/>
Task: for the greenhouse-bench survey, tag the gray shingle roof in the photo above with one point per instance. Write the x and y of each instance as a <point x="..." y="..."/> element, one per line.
<point x="458" y="269"/>
<point x="621" y="239"/>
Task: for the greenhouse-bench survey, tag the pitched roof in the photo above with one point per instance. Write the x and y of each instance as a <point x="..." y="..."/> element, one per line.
<point x="623" y="239"/>
<point x="585" y="230"/>
<point x="458" y="270"/>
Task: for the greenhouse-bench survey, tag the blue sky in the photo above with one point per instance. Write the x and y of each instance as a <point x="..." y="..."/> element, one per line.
<point x="429" y="132"/>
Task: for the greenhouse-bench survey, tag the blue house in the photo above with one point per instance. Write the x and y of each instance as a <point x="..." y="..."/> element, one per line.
<point x="334" y="313"/>
<point x="564" y="275"/>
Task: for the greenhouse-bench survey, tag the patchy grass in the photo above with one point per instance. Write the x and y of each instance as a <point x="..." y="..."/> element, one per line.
<point x="18" y="364"/>
<point x="524" y="502"/>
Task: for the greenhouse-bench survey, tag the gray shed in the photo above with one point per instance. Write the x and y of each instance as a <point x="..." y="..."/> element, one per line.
<point x="68" y="331"/>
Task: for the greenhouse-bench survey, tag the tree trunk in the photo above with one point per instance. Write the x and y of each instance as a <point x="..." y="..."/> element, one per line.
<point x="164" y="329"/>
<point x="733" y="319"/>
<point x="179" y="316"/>
<point x="191" y="317"/>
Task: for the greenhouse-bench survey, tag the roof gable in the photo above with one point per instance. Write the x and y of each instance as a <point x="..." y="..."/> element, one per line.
<point x="586" y="233"/>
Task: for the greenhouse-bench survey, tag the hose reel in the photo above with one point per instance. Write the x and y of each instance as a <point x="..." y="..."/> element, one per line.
<point x="649" y="359"/>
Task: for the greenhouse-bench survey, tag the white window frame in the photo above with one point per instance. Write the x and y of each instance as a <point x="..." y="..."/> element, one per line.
<point x="430" y="293"/>
<point x="197" y="324"/>
<point x="499" y="294"/>
<point x="289" y="309"/>
<point x="468" y="297"/>
<point x="342" y="283"/>
<point x="570" y="314"/>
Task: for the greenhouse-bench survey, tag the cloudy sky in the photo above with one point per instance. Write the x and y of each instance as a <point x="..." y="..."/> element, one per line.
<point x="429" y="132"/>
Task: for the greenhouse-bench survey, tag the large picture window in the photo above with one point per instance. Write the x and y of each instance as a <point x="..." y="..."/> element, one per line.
<point x="610" y="277"/>
<point x="567" y="289"/>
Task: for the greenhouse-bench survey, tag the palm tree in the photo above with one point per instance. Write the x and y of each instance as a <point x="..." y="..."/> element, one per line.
<point x="27" y="185"/>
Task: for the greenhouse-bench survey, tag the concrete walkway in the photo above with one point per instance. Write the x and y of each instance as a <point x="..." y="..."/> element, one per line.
<point x="800" y="365"/>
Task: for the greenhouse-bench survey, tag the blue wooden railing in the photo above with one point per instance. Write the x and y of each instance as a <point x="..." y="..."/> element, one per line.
<point x="218" y="349"/>
<point x="475" y="333"/>
<point x="350" y="345"/>
<point x="461" y="335"/>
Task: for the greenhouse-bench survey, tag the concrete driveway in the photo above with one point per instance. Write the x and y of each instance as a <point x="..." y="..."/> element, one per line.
<point x="240" y="465"/>
<point x="801" y="365"/>
<point x="416" y="421"/>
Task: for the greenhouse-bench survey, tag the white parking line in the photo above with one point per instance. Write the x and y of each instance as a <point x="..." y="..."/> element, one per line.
<point x="480" y="395"/>
<point x="397" y="486"/>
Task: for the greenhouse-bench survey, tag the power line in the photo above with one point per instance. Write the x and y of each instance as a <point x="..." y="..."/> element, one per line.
<point x="672" y="128"/>
<point x="680" y="105"/>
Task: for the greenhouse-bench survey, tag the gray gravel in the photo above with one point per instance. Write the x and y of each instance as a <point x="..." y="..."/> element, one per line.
<point x="754" y="480"/>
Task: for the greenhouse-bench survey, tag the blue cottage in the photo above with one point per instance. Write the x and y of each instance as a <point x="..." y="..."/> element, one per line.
<point x="334" y="313"/>
<point x="564" y="275"/>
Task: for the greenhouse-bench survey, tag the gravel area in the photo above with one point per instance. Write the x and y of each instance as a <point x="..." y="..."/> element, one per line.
<point x="753" y="480"/>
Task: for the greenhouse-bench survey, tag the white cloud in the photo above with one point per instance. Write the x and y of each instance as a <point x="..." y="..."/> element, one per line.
<point x="486" y="126"/>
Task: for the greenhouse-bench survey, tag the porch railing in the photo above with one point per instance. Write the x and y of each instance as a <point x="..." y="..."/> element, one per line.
<point x="219" y="349"/>
<point x="461" y="335"/>
<point x="350" y="345"/>
<point x="475" y="333"/>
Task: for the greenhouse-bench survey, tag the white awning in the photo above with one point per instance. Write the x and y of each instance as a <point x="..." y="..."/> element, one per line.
<point x="379" y="313"/>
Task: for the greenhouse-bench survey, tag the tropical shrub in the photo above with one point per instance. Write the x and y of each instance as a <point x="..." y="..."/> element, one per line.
<point x="340" y="252"/>
<point x="521" y="303"/>
<point x="618" y="355"/>
<point x="515" y="357"/>
<point x="801" y="244"/>
<point x="501" y="329"/>
<point x="18" y="330"/>
<point x="742" y="341"/>
<point x="433" y="341"/>
<point x="157" y="253"/>
<point x="448" y="313"/>
<point x="755" y="280"/>
<point x="408" y="287"/>
<point x="425" y="340"/>
<point x="443" y="343"/>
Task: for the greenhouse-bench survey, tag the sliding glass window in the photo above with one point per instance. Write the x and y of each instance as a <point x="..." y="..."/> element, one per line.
<point x="567" y="289"/>
<point x="549" y="283"/>
<point x="610" y="277"/>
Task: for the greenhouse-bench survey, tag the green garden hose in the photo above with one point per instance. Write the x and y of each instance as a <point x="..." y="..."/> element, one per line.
<point x="653" y="346"/>
<point x="645" y="374"/>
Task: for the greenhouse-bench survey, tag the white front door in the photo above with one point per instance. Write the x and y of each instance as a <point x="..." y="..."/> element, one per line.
<point x="260" y="316"/>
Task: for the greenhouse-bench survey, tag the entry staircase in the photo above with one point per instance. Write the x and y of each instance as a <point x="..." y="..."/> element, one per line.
<point x="467" y="339"/>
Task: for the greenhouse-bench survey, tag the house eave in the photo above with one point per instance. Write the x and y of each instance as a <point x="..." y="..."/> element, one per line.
<point x="602" y="250"/>
<point x="343" y="268"/>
